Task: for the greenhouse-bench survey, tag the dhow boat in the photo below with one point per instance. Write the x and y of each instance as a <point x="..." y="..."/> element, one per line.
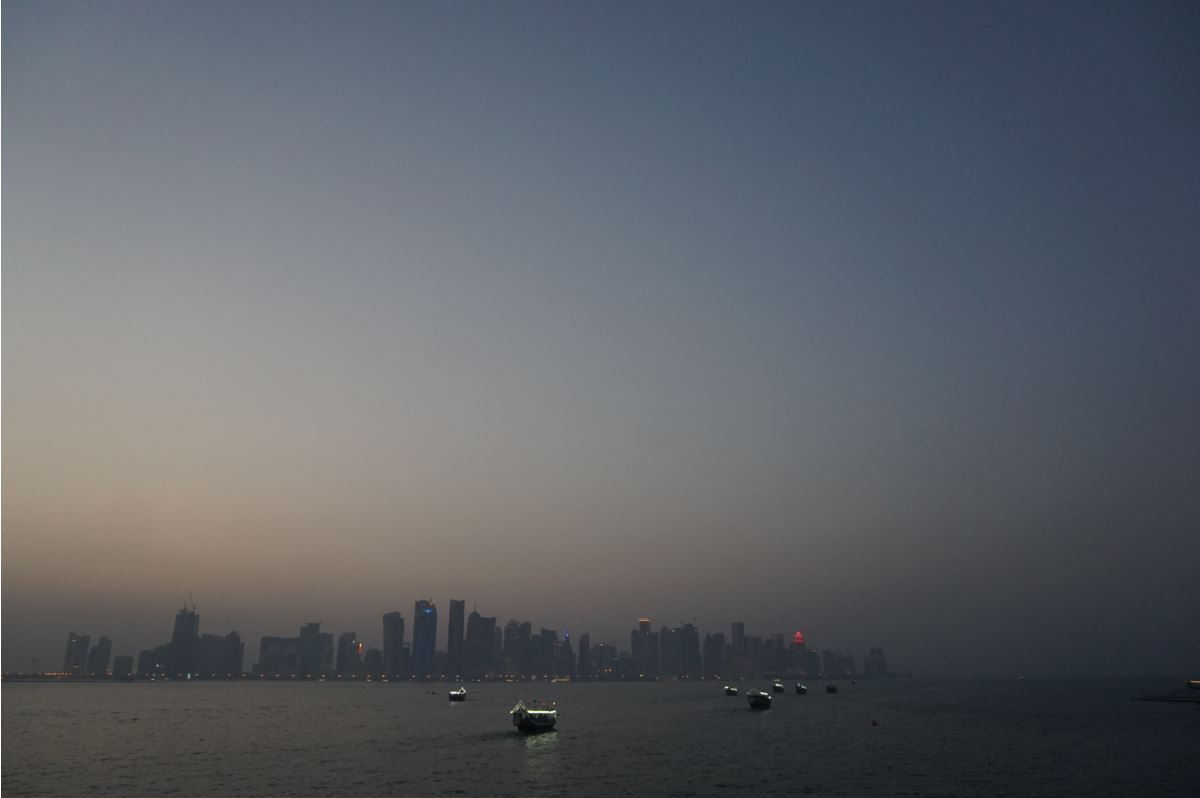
<point x="533" y="720"/>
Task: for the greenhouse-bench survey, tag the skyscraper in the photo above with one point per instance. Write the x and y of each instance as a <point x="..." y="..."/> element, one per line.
<point x="670" y="652"/>
<point x="373" y="663"/>
<point x="478" y="648"/>
<point x="310" y="654"/>
<point x="755" y="655"/>
<point x="740" y="661"/>
<point x="280" y="656"/>
<point x="210" y="660"/>
<point x="604" y="659"/>
<point x="184" y="651"/>
<point x="518" y="648"/>
<point x="349" y="655"/>
<point x="511" y="656"/>
<point x="235" y="652"/>
<point x="315" y="650"/>
<point x="831" y="665"/>
<point x="799" y="652"/>
<point x="424" y="644"/>
<point x="153" y="661"/>
<point x="566" y="656"/>
<point x="547" y="652"/>
<point x="689" y="651"/>
<point x="585" y="657"/>
<point x="737" y="631"/>
<point x="714" y="654"/>
<point x="97" y="661"/>
<point x="525" y="647"/>
<point x="454" y="641"/>
<point x="393" y="644"/>
<point x="122" y="667"/>
<point x="644" y="646"/>
<point x="75" y="660"/>
<point x="777" y="654"/>
<point x="651" y="657"/>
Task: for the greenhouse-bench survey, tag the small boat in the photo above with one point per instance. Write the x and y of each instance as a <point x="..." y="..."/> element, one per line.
<point x="533" y="721"/>
<point x="730" y="690"/>
<point x="1194" y="684"/>
<point x="777" y="687"/>
<point x="831" y="688"/>
<point x="458" y="695"/>
<point x="801" y="689"/>
<point x="758" y="699"/>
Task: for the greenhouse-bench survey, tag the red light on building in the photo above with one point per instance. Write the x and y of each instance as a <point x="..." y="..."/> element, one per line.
<point x="798" y="638"/>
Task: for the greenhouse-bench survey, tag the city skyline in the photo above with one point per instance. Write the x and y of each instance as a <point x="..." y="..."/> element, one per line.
<point x="490" y="652"/>
<point x="877" y="314"/>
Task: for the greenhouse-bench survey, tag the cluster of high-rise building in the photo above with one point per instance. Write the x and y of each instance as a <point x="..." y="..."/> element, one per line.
<point x="85" y="660"/>
<point x="188" y="653"/>
<point x="678" y="653"/>
<point x="477" y="647"/>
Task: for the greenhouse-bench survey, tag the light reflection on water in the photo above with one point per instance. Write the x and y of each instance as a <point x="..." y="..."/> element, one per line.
<point x="541" y="759"/>
<point x="535" y="743"/>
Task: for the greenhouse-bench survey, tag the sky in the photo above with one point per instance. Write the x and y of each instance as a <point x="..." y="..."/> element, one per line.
<point x="874" y="320"/>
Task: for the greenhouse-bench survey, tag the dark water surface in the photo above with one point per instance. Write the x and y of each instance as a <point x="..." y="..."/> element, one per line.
<point x="305" y="739"/>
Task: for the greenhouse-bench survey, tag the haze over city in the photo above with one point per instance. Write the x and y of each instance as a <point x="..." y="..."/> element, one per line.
<point x="875" y="320"/>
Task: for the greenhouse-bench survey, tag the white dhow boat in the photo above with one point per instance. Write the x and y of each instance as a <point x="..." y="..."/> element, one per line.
<point x="730" y="690"/>
<point x="533" y="720"/>
<point x="459" y="694"/>
<point x="758" y="699"/>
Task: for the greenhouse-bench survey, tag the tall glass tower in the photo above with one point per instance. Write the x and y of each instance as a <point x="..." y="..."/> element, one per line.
<point x="393" y="644"/>
<point x="454" y="641"/>
<point x="424" y="638"/>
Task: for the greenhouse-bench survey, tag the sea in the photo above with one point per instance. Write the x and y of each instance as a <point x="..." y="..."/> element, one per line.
<point x="893" y="737"/>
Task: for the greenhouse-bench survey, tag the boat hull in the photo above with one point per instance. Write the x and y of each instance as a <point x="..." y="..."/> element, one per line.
<point x="759" y="700"/>
<point x="535" y="727"/>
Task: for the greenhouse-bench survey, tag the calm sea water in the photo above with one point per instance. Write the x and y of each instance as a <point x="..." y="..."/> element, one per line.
<point x="953" y="739"/>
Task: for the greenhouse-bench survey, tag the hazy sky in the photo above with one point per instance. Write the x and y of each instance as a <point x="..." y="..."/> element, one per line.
<point x="880" y="321"/>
